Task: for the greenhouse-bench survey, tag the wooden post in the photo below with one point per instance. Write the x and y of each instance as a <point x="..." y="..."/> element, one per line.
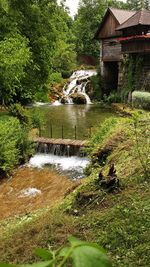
<point x="51" y="131"/>
<point x="39" y="130"/>
<point x="62" y="132"/>
<point x="75" y="132"/>
<point x="90" y="131"/>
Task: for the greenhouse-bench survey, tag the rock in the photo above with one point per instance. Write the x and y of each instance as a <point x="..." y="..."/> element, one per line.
<point x="64" y="100"/>
<point x="78" y="98"/>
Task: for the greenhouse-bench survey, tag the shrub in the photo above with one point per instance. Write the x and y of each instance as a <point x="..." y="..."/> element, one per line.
<point x="113" y="97"/>
<point x="21" y="113"/>
<point x="141" y="99"/>
<point x="55" y="78"/>
<point x="42" y="94"/>
<point x="97" y="84"/>
<point x="14" y="145"/>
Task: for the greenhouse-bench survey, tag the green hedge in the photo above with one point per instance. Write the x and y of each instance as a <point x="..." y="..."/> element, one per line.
<point x="141" y="99"/>
<point x="14" y="144"/>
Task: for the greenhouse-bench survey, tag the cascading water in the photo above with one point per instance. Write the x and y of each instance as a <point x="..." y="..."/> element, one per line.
<point x="79" y="80"/>
<point x="66" y="159"/>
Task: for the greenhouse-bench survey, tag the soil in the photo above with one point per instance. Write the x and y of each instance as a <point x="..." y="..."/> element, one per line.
<point x="12" y="200"/>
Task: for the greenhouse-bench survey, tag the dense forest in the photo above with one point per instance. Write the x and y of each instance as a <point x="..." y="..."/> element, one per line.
<point x="40" y="44"/>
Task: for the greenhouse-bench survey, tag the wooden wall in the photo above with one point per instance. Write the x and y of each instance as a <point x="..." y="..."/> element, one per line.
<point x="109" y="28"/>
<point x="136" y="46"/>
<point x="111" y="50"/>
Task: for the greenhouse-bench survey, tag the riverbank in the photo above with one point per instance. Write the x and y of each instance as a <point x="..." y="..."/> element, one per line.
<point x="117" y="220"/>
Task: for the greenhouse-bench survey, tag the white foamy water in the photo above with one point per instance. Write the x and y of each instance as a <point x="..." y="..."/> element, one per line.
<point x="74" y="165"/>
<point x="73" y="87"/>
<point x="39" y="104"/>
<point x="83" y="73"/>
<point x="29" y="192"/>
<point x="56" y="103"/>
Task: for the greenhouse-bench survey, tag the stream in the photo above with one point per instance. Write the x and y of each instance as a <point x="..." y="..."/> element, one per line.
<point x="78" y="122"/>
<point x="49" y="175"/>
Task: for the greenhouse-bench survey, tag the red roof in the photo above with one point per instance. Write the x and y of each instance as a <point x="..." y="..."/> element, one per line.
<point x="121" y="39"/>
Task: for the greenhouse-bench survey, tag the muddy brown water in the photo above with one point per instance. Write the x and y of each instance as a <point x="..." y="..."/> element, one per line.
<point x="51" y="185"/>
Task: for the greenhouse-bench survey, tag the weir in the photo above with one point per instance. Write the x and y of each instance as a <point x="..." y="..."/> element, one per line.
<point x="61" y="147"/>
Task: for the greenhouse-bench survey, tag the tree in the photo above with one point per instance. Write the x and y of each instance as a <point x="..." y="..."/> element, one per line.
<point x="42" y="43"/>
<point x="15" y="55"/>
<point x="137" y="4"/>
<point x="86" y="23"/>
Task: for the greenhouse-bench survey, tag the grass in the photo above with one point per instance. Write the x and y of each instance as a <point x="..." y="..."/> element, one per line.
<point x="118" y="221"/>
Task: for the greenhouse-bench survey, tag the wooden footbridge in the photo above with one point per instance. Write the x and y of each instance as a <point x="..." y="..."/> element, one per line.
<point x="65" y="142"/>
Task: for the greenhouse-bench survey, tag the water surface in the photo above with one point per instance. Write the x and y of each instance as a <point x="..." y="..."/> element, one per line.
<point x="84" y="117"/>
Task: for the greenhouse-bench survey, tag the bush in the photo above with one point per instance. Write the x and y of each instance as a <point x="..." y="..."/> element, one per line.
<point x="97" y="85"/>
<point x="14" y="145"/>
<point x="114" y="97"/>
<point x="141" y="99"/>
<point x="21" y="113"/>
<point x="42" y="94"/>
<point x="55" y="78"/>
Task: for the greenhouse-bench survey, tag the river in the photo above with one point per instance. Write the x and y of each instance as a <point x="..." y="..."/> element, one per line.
<point x="86" y="118"/>
<point x="46" y="178"/>
<point x="73" y="122"/>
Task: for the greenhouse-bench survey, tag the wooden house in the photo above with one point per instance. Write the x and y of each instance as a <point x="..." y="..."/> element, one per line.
<point x="111" y="54"/>
<point x="123" y="32"/>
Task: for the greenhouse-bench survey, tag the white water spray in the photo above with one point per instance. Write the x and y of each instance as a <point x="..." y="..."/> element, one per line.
<point x="77" y="84"/>
<point x="63" y="164"/>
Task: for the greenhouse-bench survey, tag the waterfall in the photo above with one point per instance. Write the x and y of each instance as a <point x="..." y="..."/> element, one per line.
<point x="61" y="150"/>
<point x="78" y="82"/>
<point x="66" y="159"/>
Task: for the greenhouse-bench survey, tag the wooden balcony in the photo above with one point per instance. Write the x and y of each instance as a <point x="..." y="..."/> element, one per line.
<point x="135" y="44"/>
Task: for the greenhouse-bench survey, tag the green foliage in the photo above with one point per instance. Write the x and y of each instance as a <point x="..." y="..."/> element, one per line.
<point x="141" y="130"/>
<point x="141" y="99"/>
<point x="37" y="118"/>
<point x="132" y="69"/>
<point x="102" y="133"/>
<point x="137" y="4"/>
<point x="41" y="95"/>
<point x="35" y="42"/>
<point x="97" y="85"/>
<point x="55" y="78"/>
<point x="14" y="144"/>
<point x="113" y="97"/>
<point x="21" y="113"/>
<point x="29" y="119"/>
<point x="15" y="55"/>
<point x="83" y="254"/>
<point x="90" y="14"/>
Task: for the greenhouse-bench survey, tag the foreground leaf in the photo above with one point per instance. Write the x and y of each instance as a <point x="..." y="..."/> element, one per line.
<point x="44" y="254"/>
<point x="87" y="256"/>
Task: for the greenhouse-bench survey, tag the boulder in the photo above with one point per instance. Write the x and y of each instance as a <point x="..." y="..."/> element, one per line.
<point x="78" y="98"/>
